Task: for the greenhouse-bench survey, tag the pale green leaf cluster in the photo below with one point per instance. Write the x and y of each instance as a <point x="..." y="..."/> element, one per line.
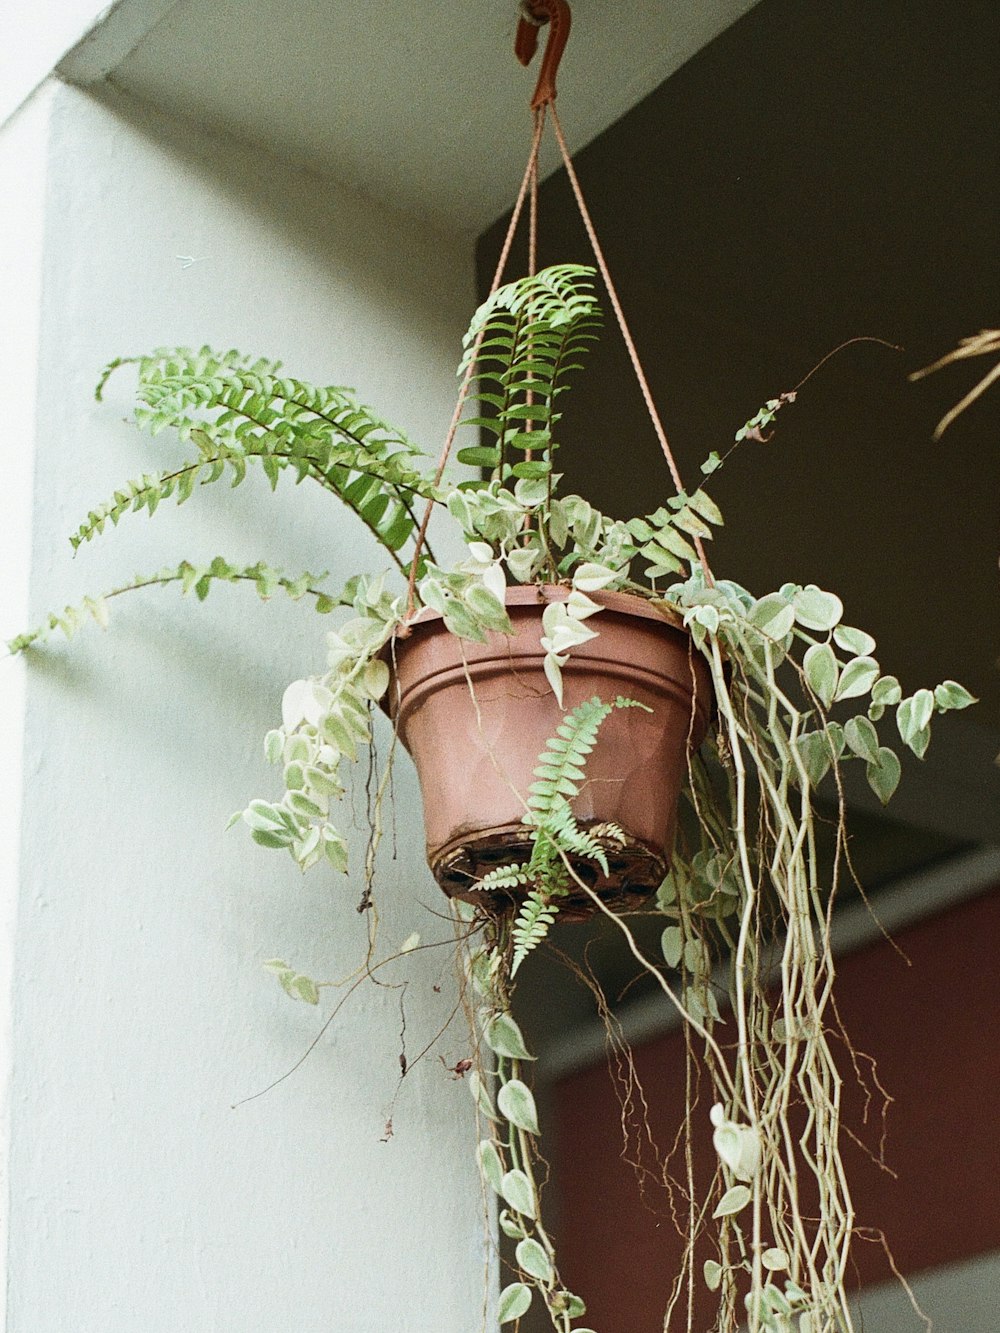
<point x="707" y="889"/>
<point x="779" y="1303"/>
<point x="707" y="883"/>
<point x="799" y="693"/>
<point x="563" y="628"/>
<point x="538" y="535"/>
<point x="836" y="667"/>
<point x="325" y="721"/>
<point x="665" y="537"/>
<point x="506" y="1161"/>
<point x="469" y="597"/>
<point x="778" y="1306"/>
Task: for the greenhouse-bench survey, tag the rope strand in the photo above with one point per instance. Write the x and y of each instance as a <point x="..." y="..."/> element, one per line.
<point x="531" y="170"/>
<point x="647" y="395"/>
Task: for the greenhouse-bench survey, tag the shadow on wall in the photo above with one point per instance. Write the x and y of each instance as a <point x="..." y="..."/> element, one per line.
<point x="384" y="293"/>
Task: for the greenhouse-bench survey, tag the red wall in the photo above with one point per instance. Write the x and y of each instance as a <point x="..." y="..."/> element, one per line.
<point x="933" y="1026"/>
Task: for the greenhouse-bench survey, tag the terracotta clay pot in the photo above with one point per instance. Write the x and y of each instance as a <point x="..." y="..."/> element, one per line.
<point x="475" y="752"/>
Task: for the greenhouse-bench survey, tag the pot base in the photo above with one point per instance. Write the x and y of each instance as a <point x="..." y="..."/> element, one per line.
<point x="635" y="872"/>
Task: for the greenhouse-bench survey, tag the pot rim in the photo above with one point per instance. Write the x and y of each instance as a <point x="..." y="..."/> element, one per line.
<point x="535" y="597"/>
<point x="542" y="594"/>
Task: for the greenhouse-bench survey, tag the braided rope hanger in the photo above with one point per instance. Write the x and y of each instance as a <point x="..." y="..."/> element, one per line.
<point x="535" y="14"/>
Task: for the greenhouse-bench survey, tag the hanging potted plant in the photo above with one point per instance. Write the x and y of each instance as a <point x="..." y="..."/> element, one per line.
<point x="481" y="674"/>
<point x="559" y="685"/>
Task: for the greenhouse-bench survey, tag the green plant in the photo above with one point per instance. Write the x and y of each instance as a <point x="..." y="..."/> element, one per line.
<point x="746" y="912"/>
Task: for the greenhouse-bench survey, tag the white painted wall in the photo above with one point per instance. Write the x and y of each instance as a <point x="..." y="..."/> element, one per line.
<point x="140" y="1200"/>
<point x="23" y="152"/>
<point x="957" y="1298"/>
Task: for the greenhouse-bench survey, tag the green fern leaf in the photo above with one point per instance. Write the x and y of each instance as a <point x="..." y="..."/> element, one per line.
<point x="560" y="767"/>
<point x="520" y="345"/>
<point x="509" y="876"/>
<point x="237" y="411"/>
<point x="531" y="926"/>
<point x="192" y="578"/>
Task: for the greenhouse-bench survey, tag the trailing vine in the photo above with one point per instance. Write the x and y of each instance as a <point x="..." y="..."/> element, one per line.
<point x="508" y="1152"/>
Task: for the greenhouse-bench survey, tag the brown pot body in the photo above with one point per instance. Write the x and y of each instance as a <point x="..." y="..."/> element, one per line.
<point x="476" y="750"/>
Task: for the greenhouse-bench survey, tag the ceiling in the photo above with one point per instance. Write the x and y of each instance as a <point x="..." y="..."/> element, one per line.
<point x="423" y="106"/>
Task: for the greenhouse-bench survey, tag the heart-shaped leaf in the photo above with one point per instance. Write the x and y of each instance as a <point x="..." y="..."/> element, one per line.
<point x="817" y="610"/>
<point x="491" y="1165"/>
<point x="774" y="1260"/>
<point x="883" y="775"/>
<point x="913" y="714"/>
<point x="672" y="944"/>
<point x="516" y="1102"/>
<point x="857" y="677"/>
<point x="862" y="738"/>
<point x="949" y="694"/>
<point x="735" y="1198"/>
<point x="532" y="1259"/>
<point x="738" y="1147"/>
<point x="773" y="615"/>
<point x="516" y="1190"/>
<point x="514" y="1301"/>
<point x="886" y="691"/>
<point x="510" y="1226"/>
<point x="820" y="665"/>
<point x="503" y="1037"/>
<point x="853" y="640"/>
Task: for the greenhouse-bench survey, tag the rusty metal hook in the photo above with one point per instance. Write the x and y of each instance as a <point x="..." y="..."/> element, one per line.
<point x="534" y="13"/>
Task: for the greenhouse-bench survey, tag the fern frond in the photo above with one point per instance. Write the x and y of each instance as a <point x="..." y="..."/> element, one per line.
<point x="520" y="346"/>
<point x="196" y="578"/>
<point x="567" y="835"/>
<point x="557" y="296"/>
<point x="510" y="876"/>
<point x="559" y="776"/>
<point x="560" y="770"/>
<point x="531" y="926"/>
<point x="237" y="411"/>
<point x="143" y="492"/>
